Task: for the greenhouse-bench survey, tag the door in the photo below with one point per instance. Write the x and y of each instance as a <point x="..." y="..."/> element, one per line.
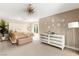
<point x="35" y="31"/>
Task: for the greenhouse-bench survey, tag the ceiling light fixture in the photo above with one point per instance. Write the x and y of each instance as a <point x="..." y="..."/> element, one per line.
<point x="30" y="9"/>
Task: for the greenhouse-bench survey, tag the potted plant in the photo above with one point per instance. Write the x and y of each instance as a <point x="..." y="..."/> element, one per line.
<point x="3" y="28"/>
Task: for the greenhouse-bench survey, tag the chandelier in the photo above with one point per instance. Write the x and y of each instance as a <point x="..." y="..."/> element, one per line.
<point x="30" y="9"/>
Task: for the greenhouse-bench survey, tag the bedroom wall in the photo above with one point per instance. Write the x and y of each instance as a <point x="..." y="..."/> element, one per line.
<point x="59" y="24"/>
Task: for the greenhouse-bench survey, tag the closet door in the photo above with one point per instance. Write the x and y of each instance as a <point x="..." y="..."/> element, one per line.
<point x="70" y="41"/>
<point x="77" y="38"/>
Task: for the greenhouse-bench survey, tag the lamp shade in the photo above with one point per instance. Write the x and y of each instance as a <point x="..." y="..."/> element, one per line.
<point x="73" y="25"/>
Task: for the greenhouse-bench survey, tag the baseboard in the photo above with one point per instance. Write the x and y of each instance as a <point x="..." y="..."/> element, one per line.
<point x="77" y="49"/>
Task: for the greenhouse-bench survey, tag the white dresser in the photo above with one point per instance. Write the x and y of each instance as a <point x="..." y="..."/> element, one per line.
<point x="53" y="39"/>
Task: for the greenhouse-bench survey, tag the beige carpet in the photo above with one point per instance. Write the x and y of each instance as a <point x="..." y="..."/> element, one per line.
<point x="35" y="48"/>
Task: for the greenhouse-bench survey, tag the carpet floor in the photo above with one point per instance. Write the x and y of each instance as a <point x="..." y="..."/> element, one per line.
<point x="34" y="48"/>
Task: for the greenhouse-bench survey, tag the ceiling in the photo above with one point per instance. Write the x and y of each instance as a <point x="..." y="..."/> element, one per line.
<point x="17" y="10"/>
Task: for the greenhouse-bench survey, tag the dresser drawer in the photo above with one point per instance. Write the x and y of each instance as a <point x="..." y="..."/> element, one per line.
<point x="55" y="39"/>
